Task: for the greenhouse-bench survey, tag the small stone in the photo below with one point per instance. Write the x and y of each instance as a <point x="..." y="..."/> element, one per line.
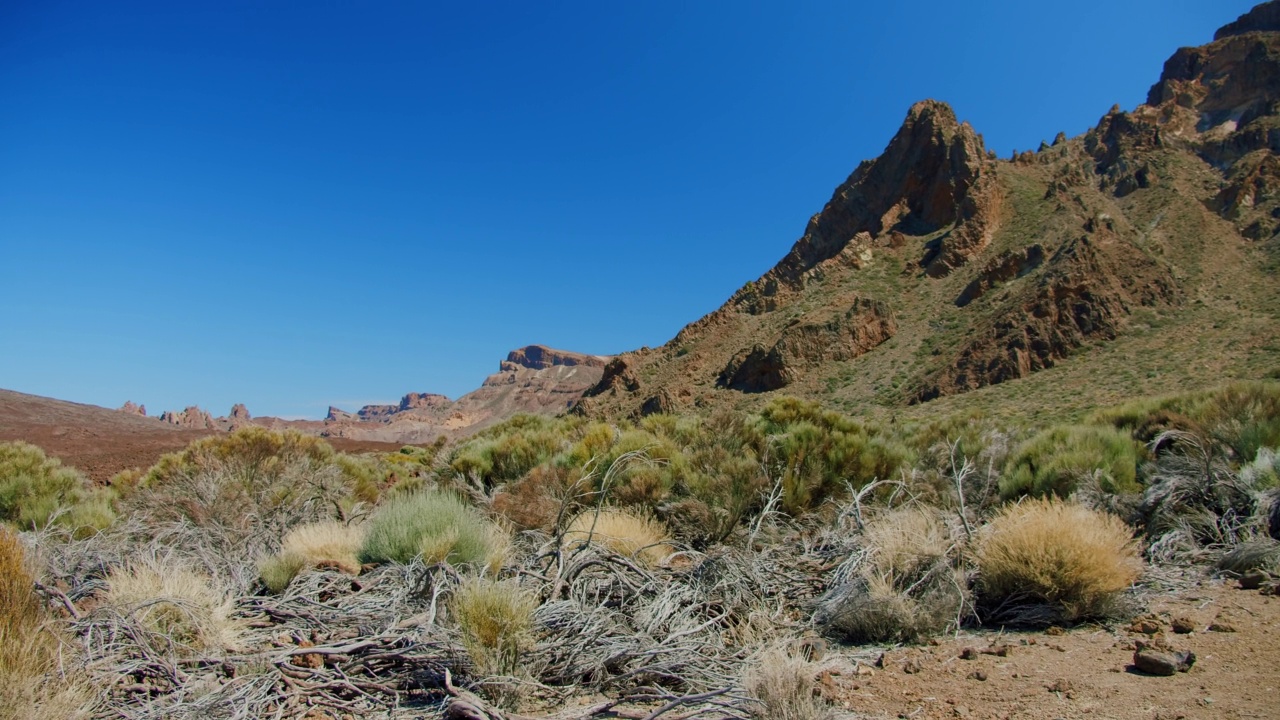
<point x="1055" y="630"/>
<point x="960" y="711"/>
<point x="969" y="653"/>
<point x="1222" y="627"/>
<point x="1253" y="579"/>
<point x="1148" y="625"/>
<point x="1159" y="659"/>
<point x="1001" y="650"/>
<point x="979" y="675"/>
<point x="912" y="666"/>
<point x="1183" y="625"/>
<point x="1061" y="685"/>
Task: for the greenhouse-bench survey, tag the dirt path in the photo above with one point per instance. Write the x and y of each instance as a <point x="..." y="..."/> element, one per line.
<point x="1084" y="672"/>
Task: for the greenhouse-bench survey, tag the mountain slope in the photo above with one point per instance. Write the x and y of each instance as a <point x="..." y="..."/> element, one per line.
<point x="1136" y="258"/>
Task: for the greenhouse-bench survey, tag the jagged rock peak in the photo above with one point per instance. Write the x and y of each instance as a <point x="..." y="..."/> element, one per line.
<point x="1262" y="18"/>
<point x="129" y="408"/>
<point x="336" y="413"/>
<point x="931" y="176"/>
<point x="539" y="357"/>
<point x="239" y="412"/>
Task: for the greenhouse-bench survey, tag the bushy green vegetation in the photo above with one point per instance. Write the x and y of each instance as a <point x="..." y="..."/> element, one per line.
<point x="36" y="490"/>
<point x="438" y="526"/>
<point x="1054" y="462"/>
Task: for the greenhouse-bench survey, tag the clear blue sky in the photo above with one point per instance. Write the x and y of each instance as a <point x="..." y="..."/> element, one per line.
<point x="297" y="204"/>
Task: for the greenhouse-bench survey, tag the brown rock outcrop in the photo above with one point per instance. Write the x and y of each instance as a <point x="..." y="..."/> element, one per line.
<point x="808" y="342"/>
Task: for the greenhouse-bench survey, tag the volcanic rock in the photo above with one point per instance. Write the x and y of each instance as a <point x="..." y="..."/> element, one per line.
<point x="130" y="409"/>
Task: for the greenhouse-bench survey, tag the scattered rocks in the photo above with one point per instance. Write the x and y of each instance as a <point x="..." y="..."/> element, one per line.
<point x="1159" y="658"/>
<point x="1221" y="627"/>
<point x="912" y="666"/>
<point x="969" y="653"/>
<point x="1146" y="625"/>
<point x="1183" y="625"/>
<point x="979" y="675"/>
<point x="1061" y="685"/>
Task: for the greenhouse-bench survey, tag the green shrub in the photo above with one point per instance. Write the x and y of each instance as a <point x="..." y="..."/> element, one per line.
<point x="35" y="489"/>
<point x="1068" y="560"/>
<point x="495" y="617"/>
<point x="436" y="525"/>
<point x="817" y="453"/>
<point x="1054" y="462"/>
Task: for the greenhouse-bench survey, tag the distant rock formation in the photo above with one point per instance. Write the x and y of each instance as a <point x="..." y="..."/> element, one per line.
<point x="192" y="418"/>
<point x="130" y="409"/>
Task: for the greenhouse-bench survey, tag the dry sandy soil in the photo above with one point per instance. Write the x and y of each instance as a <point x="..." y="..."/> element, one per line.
<point x="102" y="442"/>
<point x="1083" y="672"/>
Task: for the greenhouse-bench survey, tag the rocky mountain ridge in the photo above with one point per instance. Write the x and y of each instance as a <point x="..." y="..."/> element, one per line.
<point x="937" y="270"/>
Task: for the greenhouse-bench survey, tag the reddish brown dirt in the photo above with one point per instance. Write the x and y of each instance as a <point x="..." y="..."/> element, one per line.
<point x="101" y="442"/>
<point x="1083" y="672"/>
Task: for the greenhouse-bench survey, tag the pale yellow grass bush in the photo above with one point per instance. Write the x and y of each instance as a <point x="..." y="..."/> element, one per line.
<point x="495" y="617"/>
<point x="1057" y="553"/>
<point x="324" y="544"/>
<point x="185" y="608"/>
<point x="782" y="684"/>
<point x="635" y="536"/>
<point x="33" y="685"/>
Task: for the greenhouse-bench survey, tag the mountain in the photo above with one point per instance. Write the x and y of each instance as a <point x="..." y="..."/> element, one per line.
<point x="1137" y="258"/>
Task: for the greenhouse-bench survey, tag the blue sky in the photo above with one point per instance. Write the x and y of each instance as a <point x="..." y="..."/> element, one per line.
<point x="295" y="204"/>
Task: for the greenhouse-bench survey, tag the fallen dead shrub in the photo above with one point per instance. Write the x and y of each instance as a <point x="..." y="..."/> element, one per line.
<point x="183" y="609"/>
<point x="903" y="582"/>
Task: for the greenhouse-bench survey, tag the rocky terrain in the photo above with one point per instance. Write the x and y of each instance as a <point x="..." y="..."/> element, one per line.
<point x="937" y="270"/>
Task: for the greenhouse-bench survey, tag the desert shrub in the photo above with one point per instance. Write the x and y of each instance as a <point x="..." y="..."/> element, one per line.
<point x="783" y="685"/>
<point x="439" y="527"/>
<point x="535" y="501"/>
<point x="183" y="609"/>
<point x="32" y="686"/>
<point x="1196" y="503"/>
<point x="328" y="544"/>
<point x="1047" y="560"/>
<point x="903" y="583"/>
<point x="505" y="452"/>
<point x="495" y="619"/>
<point x="1258" y="554"/>
<point x="627" y="533"/>
<point x="1240" y="417"/>
<point x="242" y="491"/>
<point x="817" y="453"/>
<point x="36" y="490"/>
<point x="1056" y="460"/>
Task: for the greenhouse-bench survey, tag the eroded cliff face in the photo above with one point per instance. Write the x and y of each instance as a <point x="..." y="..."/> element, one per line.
<point x="937" y="269"/>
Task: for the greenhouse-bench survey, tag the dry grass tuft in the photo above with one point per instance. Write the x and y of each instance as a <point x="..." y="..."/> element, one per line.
<point x="495" y="618"/>
<point x="183" y="608"/>
<point x="1057" y="554"/>
<point x="902" y="584"/>
<point x="32" y="686"/>
<point x="635" y="536"/>
<point x="328" y="544"/>
<point x="782" y="684"/>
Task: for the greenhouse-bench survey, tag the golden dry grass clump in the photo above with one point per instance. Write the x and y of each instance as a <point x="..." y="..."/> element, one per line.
<point x="184" y="608"/>
<point x="31" y="686"/>
<point x="328" y="544"/>
<point x="635" y="536"/>
<point x="1056" y="553"/>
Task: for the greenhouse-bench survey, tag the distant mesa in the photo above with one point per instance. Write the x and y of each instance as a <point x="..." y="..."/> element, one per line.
<point x="540" y="357"/>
